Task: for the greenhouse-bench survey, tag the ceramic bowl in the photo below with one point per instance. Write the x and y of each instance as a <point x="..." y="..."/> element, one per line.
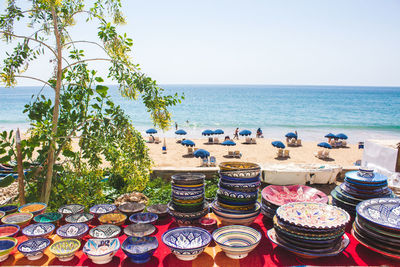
<point x="143" y="217"/>
<point x="228" y="219"/>
<point x="140" y="249"/>
<point x="236" y="241"/>
<point x="139" y="230"/>
<point x="240" y="170"/>
<point x="101" y="251"/>
<point x="9" y="230"/>
<point x="188" y="207"/>
<point x="79" y="218"/>
<point x="208" y="224"/>
<point x="71" y="209"/>
<point x="188" y="218"/>
<point x="113" y="218"/>
<point x="22" y="219"/>
<point x="49" y="217"/>
<point x="73" y="230"/>
<point x="105" y="231"/>
<point x="236" y="215"/>
<point x="33" y="248"/>
<point x="184" y="188"/>
<point x="7" y="244"/>
<point x="160" y="209"/>
<point x="130" y="208"/>
<point x="9" y="208"/>
<point x="242" y="187"/>
<point x="237" y="194"/>
<point x="188" y="193"/>
<point x="38" y="230"/>
<point x="65" y="249"/>
<point x="2" y="213"/>
<point x="35" y="208"/>
<point x="186" y="242"/>
<point x="100" y="209"/>
<point x="188" y="178"/>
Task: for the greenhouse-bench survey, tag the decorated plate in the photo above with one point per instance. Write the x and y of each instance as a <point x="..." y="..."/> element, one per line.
<point x="367" y="176"/>
<point x="313" y="215"/>
<point x="381" y="211"/>
<point x="280" y="195"/>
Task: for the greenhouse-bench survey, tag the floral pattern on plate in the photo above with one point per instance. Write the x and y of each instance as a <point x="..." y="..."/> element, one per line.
<point x="280" y="195"/>
<point x="381" y="211"/>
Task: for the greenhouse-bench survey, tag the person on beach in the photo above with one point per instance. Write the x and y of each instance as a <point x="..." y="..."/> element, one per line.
<point x="236" y="134"/>
<point x="296" y="134"/>
<point x="227" y="138"/>
<point x="176" y="126"/>
<point x="259" y="133"/>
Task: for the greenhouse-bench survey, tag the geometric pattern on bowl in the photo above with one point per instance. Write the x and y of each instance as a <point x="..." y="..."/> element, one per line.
<point x="65" y="249"/>
<point x="192" y="188"/>
<point x="384" y="212"/>
<point x="130" y="208"/>
<point x="160" y="209"/>
<point x="280" y="195"/>
<point x="105" y="231"/>
<point x="48" y="217"/>
<point x="7" y="244"/>
<point x="216" y="205"/>
<point x="139" y="230"/>
<point x="140" y="249"/>
<point x="35" y="208"/>
<point x="102" y="209"/>
<point x="33" y="248"/>
<point x="236" y="240"/>
<point x="237" y="194"/>
<point x="20" y="218"/>
<point x="79" y="218"/>
<point x="143" y="217"/>
<point x="9" y="230"/>
<point x="71" y="209"/>
<point x="188" y="178"/>
<point x="177" y="193"/>
<point x="243" y="187"/>
<point x="101" y="251"/>
<point x="38" y="230"/>
<point x="73" y="230"/>
<point x="240" y="169"/>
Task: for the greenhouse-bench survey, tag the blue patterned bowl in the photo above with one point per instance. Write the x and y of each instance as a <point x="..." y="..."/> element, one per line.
<point x="71" y="209"/>
<point x="65" y="249"/>
<point x="101" y="209"/>
<point x="186" y="242"/>
<point x="33" y="248"/>
<point x="140" y="249"/>
<point x="9" y="230"/>
<point x="241" y="187"/>
<point x="9" y="208"/>
<point x="143" y="217"/>
<point x="182" y="188"/>
<point x="82" y="217"/>
<point x="105" y="231"/>
<point x="73" y="230"/>
<point x="188" y="178"/>
<point x="237" y="194"/>
<point x="38" y="230"/>
<point x="101" y="251"/>
<point x="7" y="244"/>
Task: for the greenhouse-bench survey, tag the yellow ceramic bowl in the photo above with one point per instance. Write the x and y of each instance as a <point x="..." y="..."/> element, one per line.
<point x="190" y="201"/>
<point x="113" y="218"/>
<point x="234" y="166"/>
<point x="244" y="207"/>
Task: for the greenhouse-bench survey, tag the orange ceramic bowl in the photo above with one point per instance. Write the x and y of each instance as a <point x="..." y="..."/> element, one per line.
<point x="35" y="208"/>
<point x="113" y="218"/>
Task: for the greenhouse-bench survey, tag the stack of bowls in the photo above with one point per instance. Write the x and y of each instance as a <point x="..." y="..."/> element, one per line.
<point x="187" y="205"/>
<point x="274" y="196"/>
<point x="377" y="226"/>
<point x="310" y="230"/>
<point x="236" y="201"/>
<point x="359" y="186"/>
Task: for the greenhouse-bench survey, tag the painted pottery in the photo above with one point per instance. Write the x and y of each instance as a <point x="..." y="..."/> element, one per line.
<point x="33" y="248"/>
<point x="113" y="218"/>
<point x="130" y="208"/>
<point x="139" y="230"/>
<point x="9" y="208"/>
<point x="35" y="208"/>
<point x="48" y="217"/>
<point x="9" y="230"/>
<point x="101" y="251"/>
<point x="7" y="244"/>
<point x="83" y="217"/>
<point x="65" y="249"/>
<point x="100" y="209"/>
<point x="280" y="195"/>
<point x="71" y="209"/>
<point x="188" y="178"/>
<point x="140" y="249"/>
<point x="22" y="219"/>
<point x="143" y="217"/>
<point x="73" y="230"/>
<point x="384" y="212"/>
<point x="38" y="230"/>
<point x="105" y="231"/>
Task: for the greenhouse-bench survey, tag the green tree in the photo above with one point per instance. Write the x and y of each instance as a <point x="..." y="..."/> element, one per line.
<point x="81" y="104"/>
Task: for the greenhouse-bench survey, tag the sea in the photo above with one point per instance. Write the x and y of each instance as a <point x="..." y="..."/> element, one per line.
<point x="313" y="111"/>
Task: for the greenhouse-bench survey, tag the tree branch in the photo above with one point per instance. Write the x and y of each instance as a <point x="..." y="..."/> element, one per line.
<point x="86" y="60"/>
<point x="88" y="42"/>
<point x="34" y="78"/>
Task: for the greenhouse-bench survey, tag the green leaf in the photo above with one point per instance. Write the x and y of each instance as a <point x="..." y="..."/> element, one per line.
<point x="99" y="79"/>
<point x="102" y="90"/>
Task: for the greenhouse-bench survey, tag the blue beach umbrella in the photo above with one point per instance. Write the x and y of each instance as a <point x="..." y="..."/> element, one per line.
<point x="151" y="131"/>
<point x="325" y="145"/>
<point x="218" y="131"/>
<point x="330" y="135"/>
<point x="278" y="144"/>
<point x="291" y="135"/>
<point x="201" y="153"/>
<point x="228" y="143"/>
<point x="245" y="133"/>
<point x="207" y="132"/>
<point x="180" y="132"/>
<point x="341" y="136"/>
<point x="188" y="142"/>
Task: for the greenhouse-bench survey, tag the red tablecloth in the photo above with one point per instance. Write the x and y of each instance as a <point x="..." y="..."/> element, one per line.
<point x="266" y="254"/>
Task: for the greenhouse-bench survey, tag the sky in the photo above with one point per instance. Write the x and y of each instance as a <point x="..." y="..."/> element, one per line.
<point x="290" y="42"/>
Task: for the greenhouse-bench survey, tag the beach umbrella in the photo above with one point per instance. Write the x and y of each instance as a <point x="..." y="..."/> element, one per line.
<point x="330" y="135"/>
<point x="218" y="131"/>
<point x="278" y="144"/>
<point x="341" y="136"/>
<point x="201" y="153"/>
<point x="325" y="145"/>
<point x="228" y="143"/>
<point x="180" y="132"/>
<point x="151" y="131"/>
<point x="291" y="135"/>
<point x="188" y="142"/>
<point x="207" y="132"/>
<point x="245" y="133"/>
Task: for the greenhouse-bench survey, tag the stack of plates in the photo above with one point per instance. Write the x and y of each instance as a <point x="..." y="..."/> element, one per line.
<point x="310" y="230"/>
<point x="359" y="186"/>
<point x="187" y="205"/>
<point x="377" y="225"/>
<point x="274" y="196"/>
<point x="236" y="201"/>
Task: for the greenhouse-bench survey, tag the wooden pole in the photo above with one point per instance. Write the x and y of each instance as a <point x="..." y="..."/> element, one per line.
<point x="21" y="178"/>
<point x="397" y="168"/>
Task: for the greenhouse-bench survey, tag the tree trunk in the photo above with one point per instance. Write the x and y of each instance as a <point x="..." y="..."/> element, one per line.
<point x="51" y="154"/>
<point x="21" y="189"/>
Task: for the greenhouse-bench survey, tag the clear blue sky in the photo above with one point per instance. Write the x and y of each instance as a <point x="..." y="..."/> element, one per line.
<point x="312" y="42"/>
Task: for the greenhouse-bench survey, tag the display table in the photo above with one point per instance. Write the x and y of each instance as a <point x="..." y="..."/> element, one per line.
<point x="266" y="254"/>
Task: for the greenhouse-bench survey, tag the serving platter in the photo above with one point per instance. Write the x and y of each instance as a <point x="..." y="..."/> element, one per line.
<point x="384" y="212"/>
<point x="280" y="195"/>
<point x="366" y="176"/>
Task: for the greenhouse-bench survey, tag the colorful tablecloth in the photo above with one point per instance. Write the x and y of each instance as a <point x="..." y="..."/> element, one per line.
<point x="266" y="254"/>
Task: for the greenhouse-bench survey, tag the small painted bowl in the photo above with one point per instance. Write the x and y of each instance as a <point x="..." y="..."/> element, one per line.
<point x="33" y="248"/>
<point x="101" y="251"/>
<point x="35" y="208"/>
<point x="113" y="218"/>
<point x="49" y="217"/>
<point x="79" y="218"/>
<point x="9" y="230"/>
<point x="140" y="249"/>
<point x="7" y="244"/>
<point x="143" y="217"/>
<point x="65" y="249"/>
<point x="188" y="178"/>
<point x="73" y="230"/>
<point x="22" y="219"/>
<point x="9" y="208"/>
<point x="2" y="213"/>
<point x="105" y="231"/>
<point x="237" y="194"/>
<point x="186" y="242"/>
<point x="160" y="209"/>
<point x="209" y="224"/>
<point x="139" y="230"/>
<point x="130" y="208"/>
<point x="237" y="240"/>
<point x="38" y="230"/>
<point x="100" y="209"/>
<point x="71" y="209"/>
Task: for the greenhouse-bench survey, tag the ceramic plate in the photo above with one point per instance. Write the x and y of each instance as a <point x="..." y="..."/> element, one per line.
<point x="280" y="195"/>
<point x="368" y="177"/>
<point x="381" y="211"/>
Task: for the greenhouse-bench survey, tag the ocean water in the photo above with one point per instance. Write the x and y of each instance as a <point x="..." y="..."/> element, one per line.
<point x="360" y="112"/>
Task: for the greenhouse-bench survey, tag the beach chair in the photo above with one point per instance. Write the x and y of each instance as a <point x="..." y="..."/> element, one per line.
<point x="157" y="140"/>
<point x="279" y="154"/>
<point x="319" y="154"/>
<point x="190" y="151"/>
<point x="298" y="142"/>
<point x="326" y="154"/>
<point x="286" y="153"/>
<point x="151" y="140"/>
<point x="253" y="141"/>
<point x="204" y="162"/>
<point x="332" y="143"/>
<point x="344" y="144"/>
<point x="210" y="140"/>
<point x="231" y="154"/>
<point x="237" y="154"/>
<point x="248" y="140"/>
<point x="213" y="161"/>
<point x="360" y="145"/>
<point x="216" y="140"/>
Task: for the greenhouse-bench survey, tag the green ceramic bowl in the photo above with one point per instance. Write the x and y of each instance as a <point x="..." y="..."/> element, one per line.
<point x="49" y="217"/>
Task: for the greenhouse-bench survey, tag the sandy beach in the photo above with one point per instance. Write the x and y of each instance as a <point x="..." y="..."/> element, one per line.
<point x="262" y="152"/>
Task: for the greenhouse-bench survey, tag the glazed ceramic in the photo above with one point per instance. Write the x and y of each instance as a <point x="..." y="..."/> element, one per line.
<point x="100" y="209"/>
<point x="113" y="218"/>
<point x="208" y="224"/>
<point x="188" y="178"/>
<point x="228" y="219"/>
<point x="35" y="208"/>
<point x="280" y="195"/>
<point x="22" y="219"/>
<point x="143" y="217"/>
<point x="187" y="218"/>
<point x="33" y="248"/>
<point x="139" y="249"/>
<point x="7" y="244"/>
<point x="105" y="231"/>
<point x="71" y="209"/>
<point x="139" y="230"/>
<point x="313" y="215"/>
<point x="130" y="208"/>
<point x="197" y="193"/>
<point x="2" y="213"/>
<point x="384" y="212"/>
<point x="236" y="194"/>
<point x="73" y="230"/>
<point x="240" y="169"/>
<point x="79" y="218"/>
<point x="186" y="242"/>
<point x="188" y="207"/>
<point x="367" y="176"/>
<point x="9" y="230"/>
<point x="236" y="241"/>
<point x="9" y="208"/>
<point x="65" y="249"/>
<point x="242" y="187"/>
<point x="235" y="215"/>
<point x="38" y="230"/>
<point x="48" y="217"/>
<point x="160" y="209"/>
<point x="195" y="197"/>
<point x="101" y="251"/>
<point x="176" y="188"/>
